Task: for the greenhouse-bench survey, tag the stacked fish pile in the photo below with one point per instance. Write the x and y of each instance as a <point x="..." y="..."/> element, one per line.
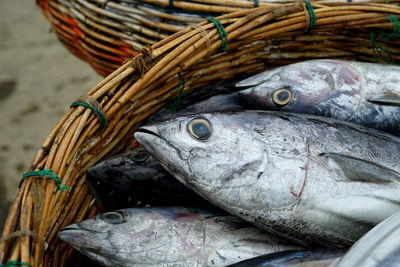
<point x="316" y="170"/>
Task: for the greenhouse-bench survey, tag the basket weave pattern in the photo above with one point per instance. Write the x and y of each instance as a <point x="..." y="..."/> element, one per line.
<point x="106" y="33"/>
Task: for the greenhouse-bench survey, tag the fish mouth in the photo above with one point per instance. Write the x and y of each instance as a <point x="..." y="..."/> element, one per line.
<point x="81" y="238"/>
<point x="148" y="136"/>
<point x="76" y="236"/>
<point x="148" y="129"/>
<point x="245" y="92"/>
<point x="85" y="241"/>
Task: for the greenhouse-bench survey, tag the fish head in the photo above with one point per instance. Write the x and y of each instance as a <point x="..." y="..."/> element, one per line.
<point x="293" y="88"/>
<point x="125" y="180"/>
<point x="95" y="237"/>
<point x="136" y="163"/>
<point x="207" y="152"/>
<point x="137" y="236"/>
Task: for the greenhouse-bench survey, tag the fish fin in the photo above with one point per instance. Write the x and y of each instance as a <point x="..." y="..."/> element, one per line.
<point x="354" y="213"/>
<point x="362" y="170"/>
<point x="379" y="241"/>
<point x="385" y="99"/>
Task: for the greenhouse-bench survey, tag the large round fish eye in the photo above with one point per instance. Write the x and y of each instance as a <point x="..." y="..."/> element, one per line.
<point x="114" y="217"/>
<point x="199" y="128"/>
<point x="282" y="96"/>
<point x="140" y="157"/>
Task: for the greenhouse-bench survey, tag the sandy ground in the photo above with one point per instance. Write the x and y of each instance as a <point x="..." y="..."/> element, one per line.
<point x="39" y="79"/>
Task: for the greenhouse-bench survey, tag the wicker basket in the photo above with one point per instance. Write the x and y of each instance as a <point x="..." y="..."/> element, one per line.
<point x="256" y="39"/>
<point x="106" y="33"/>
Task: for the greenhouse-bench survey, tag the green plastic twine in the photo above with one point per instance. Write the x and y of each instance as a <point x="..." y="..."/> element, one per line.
<point x="181" y="87"/>
<point x="379" y="51"/>
<point x="313" y="18"/>
<point x="14" y="263"/>
<point x="99" y="112"/>
<point x="223" y="35"/>
<point x="396" y="30"/>
<point x="48" y="173"/>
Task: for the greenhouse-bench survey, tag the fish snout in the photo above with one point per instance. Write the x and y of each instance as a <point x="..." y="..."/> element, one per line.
<point x="148" y="129"/>
<point x="71" y="227"/>
<point x="73" y="235"/>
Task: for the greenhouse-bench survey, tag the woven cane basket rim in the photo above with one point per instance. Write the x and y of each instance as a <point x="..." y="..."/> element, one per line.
<point x="106" y="33"/>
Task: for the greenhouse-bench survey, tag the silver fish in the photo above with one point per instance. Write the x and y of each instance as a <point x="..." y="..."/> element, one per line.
<point x="220" y="102"/>
<point x="295" y="258"/>
<point x="306" y="178"/>
<point x="169" y="236"/>
<point x="136" y="178"/>
<point x="380" y="247"/>
<point x="364" y="93"/>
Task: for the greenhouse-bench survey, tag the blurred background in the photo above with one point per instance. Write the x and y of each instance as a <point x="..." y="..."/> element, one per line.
<point x="39" y="79"/>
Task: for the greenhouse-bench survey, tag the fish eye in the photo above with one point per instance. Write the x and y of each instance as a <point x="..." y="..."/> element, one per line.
<point x="199" y="128"/>
<point x="140" y="157"/>
<point x="282" y="96"/>
<point x="114" y="217"/>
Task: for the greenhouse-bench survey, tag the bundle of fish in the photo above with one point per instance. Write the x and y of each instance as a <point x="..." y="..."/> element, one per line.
<point x="231" y="183"/>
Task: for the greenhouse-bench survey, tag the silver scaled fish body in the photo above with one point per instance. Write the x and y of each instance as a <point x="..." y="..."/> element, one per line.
<point x="364" y="93"/>
<point x="295" y="258"/>
<point x="310" y="179"/>
<point x="232" y="101"/>
<point x="380" y="247"/>
<point x="169" y="236"/>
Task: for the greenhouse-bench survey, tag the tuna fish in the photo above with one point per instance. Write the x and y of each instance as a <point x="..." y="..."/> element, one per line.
<point x="169" y="236"/>
<point x="231" y="101"/>
<point x="295" y="258"/>
<point x="362" y="93"/>
<point x="135" y="178"/>
<point x="306" y="178"/>
<point x="380" y="247"/>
